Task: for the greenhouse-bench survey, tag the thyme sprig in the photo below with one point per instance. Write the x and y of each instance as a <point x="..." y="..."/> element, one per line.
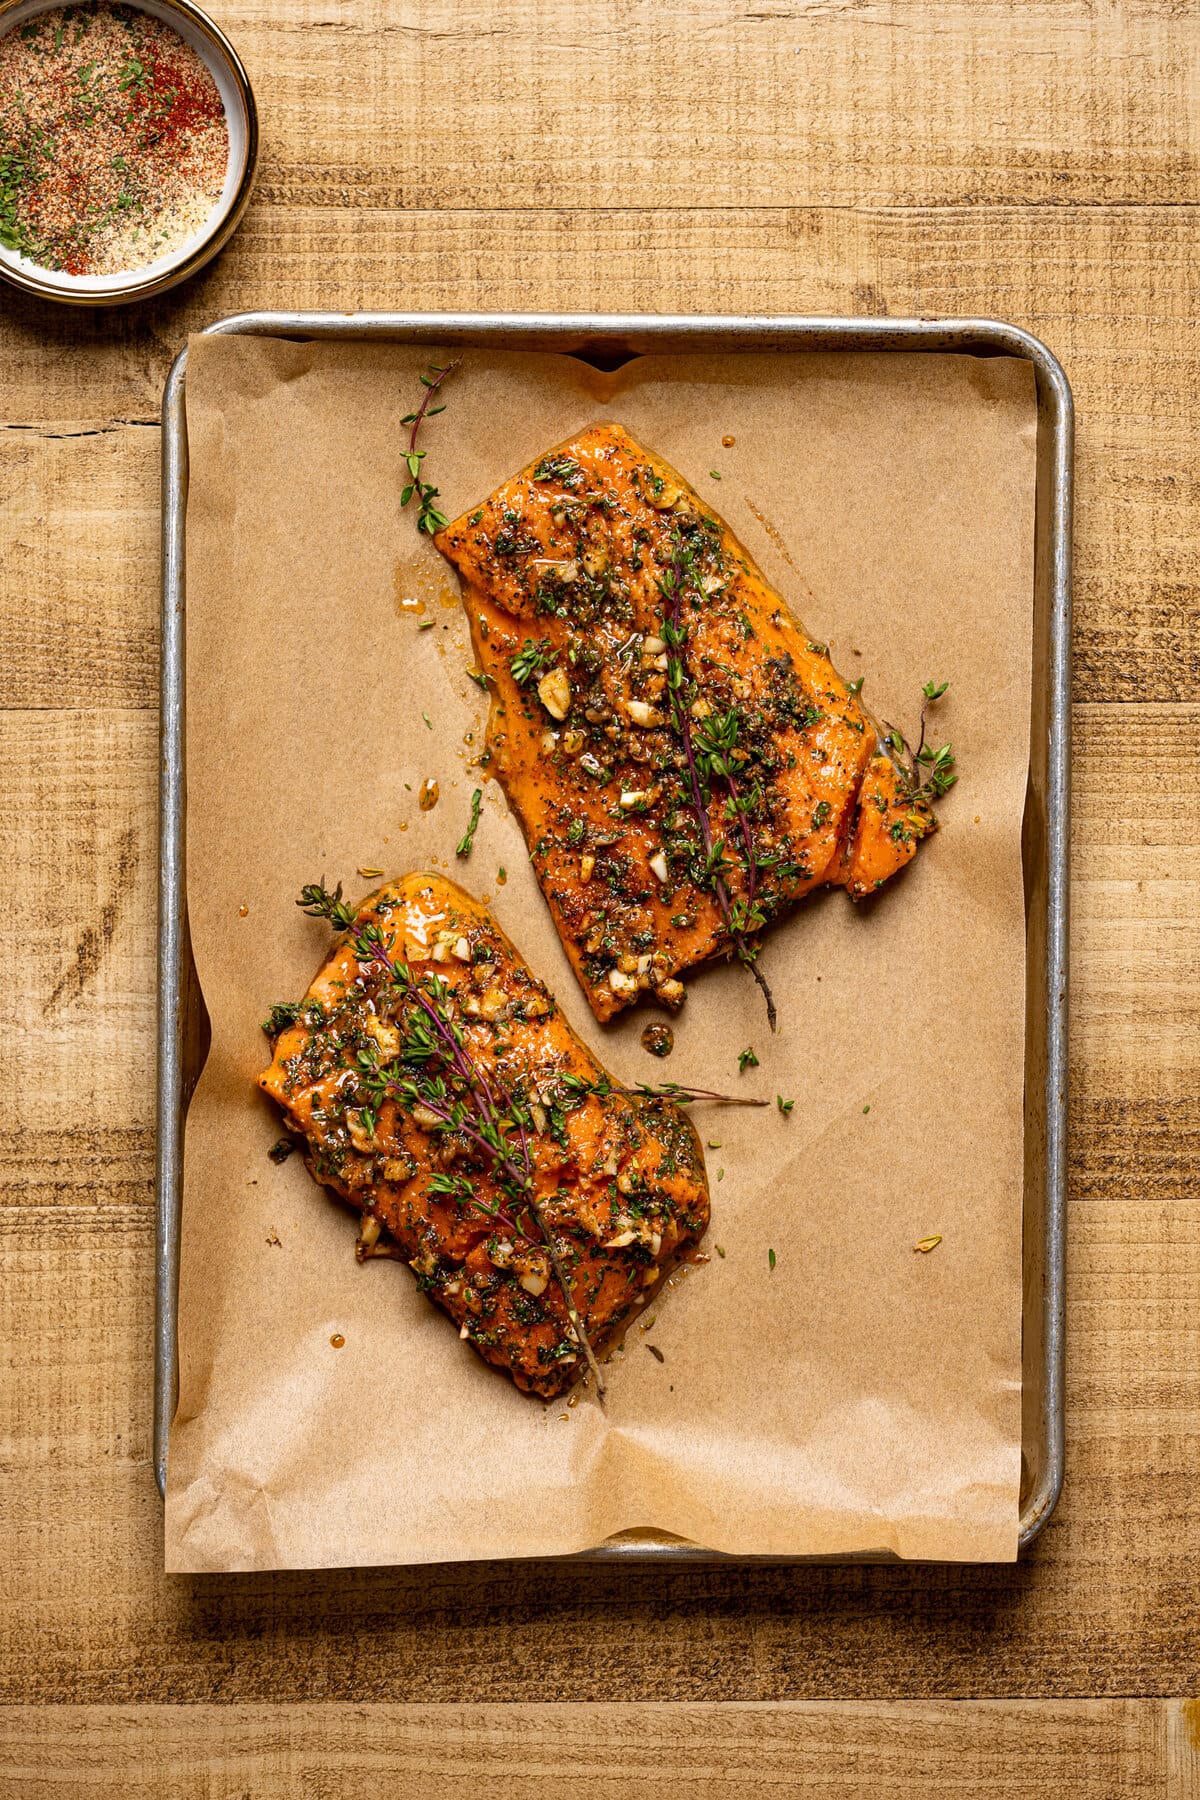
<point x="435" y="1070"/>
<point x="707" y="750"/>
<point x="466" y="1101"/>
<point x="319" y="903"/>
<point x="429" y="519"/>
<point x="574" y="1089"/>
<point x="684" y="1096"/>
<point x="931" y="771"/>
<point x="463" y="846"/>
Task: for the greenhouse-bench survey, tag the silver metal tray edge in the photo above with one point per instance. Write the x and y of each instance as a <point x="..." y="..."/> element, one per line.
<point x="1045" y="835"/>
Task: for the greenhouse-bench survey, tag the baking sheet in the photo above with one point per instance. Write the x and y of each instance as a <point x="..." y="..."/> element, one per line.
<point x="815" y="1409"/>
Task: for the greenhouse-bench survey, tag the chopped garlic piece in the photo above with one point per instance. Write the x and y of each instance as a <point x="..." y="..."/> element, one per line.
<point x="554" y="692"/>
<point x="386" y="1036"/>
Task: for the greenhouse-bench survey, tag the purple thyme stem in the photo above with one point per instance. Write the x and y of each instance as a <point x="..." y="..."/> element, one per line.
<point x="496" y="1157"/>
<point x="461" y="1057"/>
<point x="747" y="839"/>
<point x="673" y="1090"/>
<point x="464" y="1063"/>
<point x="430" y="391"/>
<point x="464" y="1066"/>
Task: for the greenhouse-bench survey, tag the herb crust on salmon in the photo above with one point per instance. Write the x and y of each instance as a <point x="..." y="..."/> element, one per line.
<point x="436" y="1086"/>
<point x="684" y="761"/>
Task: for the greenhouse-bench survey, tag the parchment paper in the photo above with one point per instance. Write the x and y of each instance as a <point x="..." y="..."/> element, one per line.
<point x="860" y="1397"/>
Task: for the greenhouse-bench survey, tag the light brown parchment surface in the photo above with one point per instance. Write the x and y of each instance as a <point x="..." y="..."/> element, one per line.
<point x="859" y="1396"/>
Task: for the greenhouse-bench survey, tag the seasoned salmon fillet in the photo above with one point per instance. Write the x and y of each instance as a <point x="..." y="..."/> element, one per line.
<point x="436" y="1086"/>
<point x="685" y="762"/>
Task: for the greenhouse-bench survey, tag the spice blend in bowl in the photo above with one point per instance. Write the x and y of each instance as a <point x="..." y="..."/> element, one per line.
<point x="115" y="141"/>
<point x="119" y="170"/>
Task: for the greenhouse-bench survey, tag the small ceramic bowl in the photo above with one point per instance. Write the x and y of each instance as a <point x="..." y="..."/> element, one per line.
<point x="241" y="118"/>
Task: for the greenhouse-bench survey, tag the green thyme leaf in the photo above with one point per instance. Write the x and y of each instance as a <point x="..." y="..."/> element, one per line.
<point x="463" y="847"/>
<point x="319" y="903"/>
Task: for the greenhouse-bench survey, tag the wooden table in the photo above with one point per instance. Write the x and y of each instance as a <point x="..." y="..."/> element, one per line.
<point x="1034" y="160"/>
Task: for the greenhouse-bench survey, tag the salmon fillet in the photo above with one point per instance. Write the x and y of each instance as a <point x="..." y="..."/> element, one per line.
<point x="423" y="1029"/>
<point x="684" y="761"/>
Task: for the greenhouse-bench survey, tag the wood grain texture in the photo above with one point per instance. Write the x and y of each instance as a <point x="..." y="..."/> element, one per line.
<point x="729" y="102"/>
<point x="78" y="1127"/>
<point x="79" y="822"/>
<point x="1183" y="1750"/>
<point x="882" y="104"/>
<point x="961" y="1751"/>
<point x="1028" y="159"/>
<point x="1105" y="1606"/>
<point x="78" y="607"/>
<point x="1135" y="949"/>
<point x="1114" y="293"/>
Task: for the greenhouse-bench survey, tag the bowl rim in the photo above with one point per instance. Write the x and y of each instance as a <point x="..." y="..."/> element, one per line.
<point x="47" y="286"/>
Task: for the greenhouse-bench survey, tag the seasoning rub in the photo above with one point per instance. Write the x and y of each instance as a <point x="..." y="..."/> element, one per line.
<point x="113" y="140"/>
<point x="684" y="762"/>
<point x="436" y="1086"/>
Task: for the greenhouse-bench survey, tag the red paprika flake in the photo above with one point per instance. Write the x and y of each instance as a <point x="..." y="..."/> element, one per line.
<point x="113" y="139"/>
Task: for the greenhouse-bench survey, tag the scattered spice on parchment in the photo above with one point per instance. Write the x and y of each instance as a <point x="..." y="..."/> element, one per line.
<point x="113" y="139"/>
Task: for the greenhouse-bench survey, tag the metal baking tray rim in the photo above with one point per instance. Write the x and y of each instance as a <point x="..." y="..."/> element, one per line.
<point x="620" y="336"/>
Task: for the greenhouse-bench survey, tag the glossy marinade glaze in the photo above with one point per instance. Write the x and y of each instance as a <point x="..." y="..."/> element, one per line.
<point x="436" y="1086"/>
<point x="685" y="762"/>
